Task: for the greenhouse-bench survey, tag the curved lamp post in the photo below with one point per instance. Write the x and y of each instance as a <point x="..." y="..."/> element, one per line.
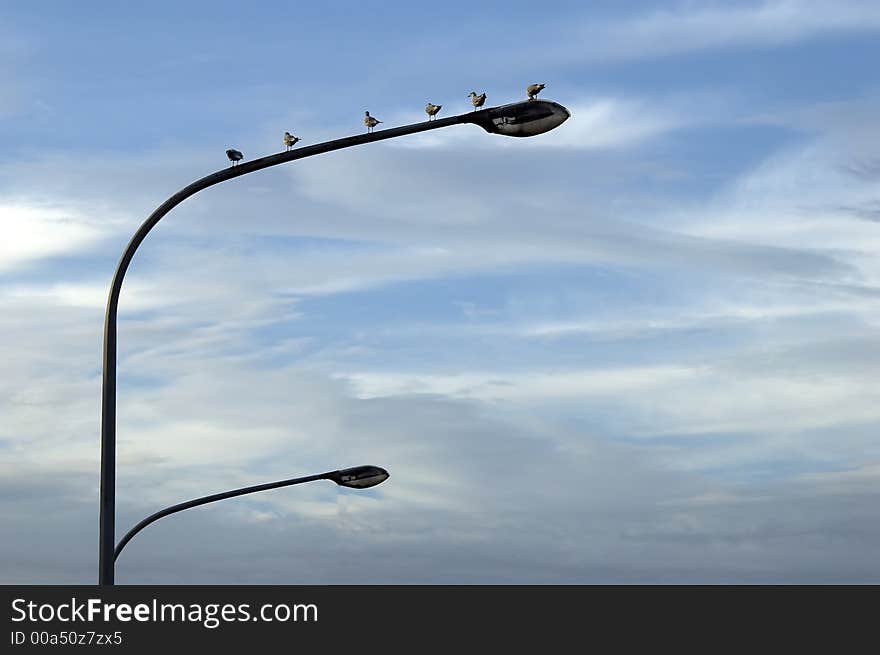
<point x="520" y="119"/>
<point x="359" y="477"/>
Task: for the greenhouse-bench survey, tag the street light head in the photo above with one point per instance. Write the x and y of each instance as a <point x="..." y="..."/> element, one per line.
<point x="359" y="477"/>
<point x="528" y="118"/>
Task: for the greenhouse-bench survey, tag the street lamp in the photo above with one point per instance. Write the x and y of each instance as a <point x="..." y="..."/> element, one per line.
<point x="359" y="477"/>
<point x="519" y="119"/>
<point x="522" y="118"/>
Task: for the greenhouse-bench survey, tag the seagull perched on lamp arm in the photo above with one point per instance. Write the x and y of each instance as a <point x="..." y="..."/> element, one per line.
<point x="370" y="122"/>
<point x="431" y="110"/>
<point x="533" y="90"/>
<point x="234" y="155"/>
<point x="477" y="100"/>
<point x="290" y="140"/>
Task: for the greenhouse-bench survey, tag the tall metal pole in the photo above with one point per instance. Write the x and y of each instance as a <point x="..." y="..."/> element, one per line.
<point x="107" y="534"/>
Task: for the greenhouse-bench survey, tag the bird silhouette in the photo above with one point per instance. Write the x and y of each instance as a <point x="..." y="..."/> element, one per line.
<point x="533" y="90"/>
<point x="290" y="140"/>
<point x="234" y="155"/>
<point x="431" y="110"/>
<point x="477" y="100"/>
<point x="370" y="122"/>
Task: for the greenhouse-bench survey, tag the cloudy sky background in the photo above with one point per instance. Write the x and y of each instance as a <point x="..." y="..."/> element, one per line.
<point x="641" y="348"/>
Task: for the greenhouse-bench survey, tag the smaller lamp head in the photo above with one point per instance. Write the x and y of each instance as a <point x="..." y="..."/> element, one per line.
<point x="359" y="477"/>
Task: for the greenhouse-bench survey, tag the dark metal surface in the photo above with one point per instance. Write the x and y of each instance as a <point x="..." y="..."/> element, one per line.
<point x="522" y="119"/>
<point x="108" y="395"/>
<point x="360" y="477"/>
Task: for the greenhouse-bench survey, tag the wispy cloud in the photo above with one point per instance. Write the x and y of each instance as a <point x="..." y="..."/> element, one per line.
<point x="688" y="29"/>
<point x="32" y="232"/>
<point x="813" y="196"/>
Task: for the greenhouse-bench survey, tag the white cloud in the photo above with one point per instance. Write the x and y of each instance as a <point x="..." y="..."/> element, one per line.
<point x="612" y="123"/>
<point x="816" y="196"/>
<point x="84" y="294"/>
<point x="527" y="388"/>
<point x="861" y="479"/>
<point x="727" y="397"/>
<point x="32" y="232"/>
<point x="687" y="29"/>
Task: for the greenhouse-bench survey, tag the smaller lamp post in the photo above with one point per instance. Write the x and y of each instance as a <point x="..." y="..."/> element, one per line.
<point x="359" y="477"/>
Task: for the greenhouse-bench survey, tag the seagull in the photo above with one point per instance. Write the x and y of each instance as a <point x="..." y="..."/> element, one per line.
<point x="290" y="140"/>
<point x="431" y="110"/>
<point x="477" y="100"/>
<point x="533" y="90"/>
<point x="370" y="122"/>
<point x="234" y="155"/>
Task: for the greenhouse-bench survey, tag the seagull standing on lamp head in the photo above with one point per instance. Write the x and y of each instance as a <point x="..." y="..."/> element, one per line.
<point x="431" y="110"/>
<point x="370" y="122"/>
<point x="533" y="90"/>
<point x="290" y="140"/>
<point x="477" y="100"/>
<point x="234" y="155"/>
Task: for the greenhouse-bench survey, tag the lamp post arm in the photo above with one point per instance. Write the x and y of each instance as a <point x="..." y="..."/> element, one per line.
<point x="204" y="500"/>
<point x="107" y="528"/>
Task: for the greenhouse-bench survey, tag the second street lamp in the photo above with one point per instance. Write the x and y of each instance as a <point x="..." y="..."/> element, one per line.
<point x="359" y="477"/>
<point x="519" y="119"/>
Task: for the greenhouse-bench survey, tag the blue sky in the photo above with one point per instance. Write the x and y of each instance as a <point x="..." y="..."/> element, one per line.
<point x="639" y="348"/>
